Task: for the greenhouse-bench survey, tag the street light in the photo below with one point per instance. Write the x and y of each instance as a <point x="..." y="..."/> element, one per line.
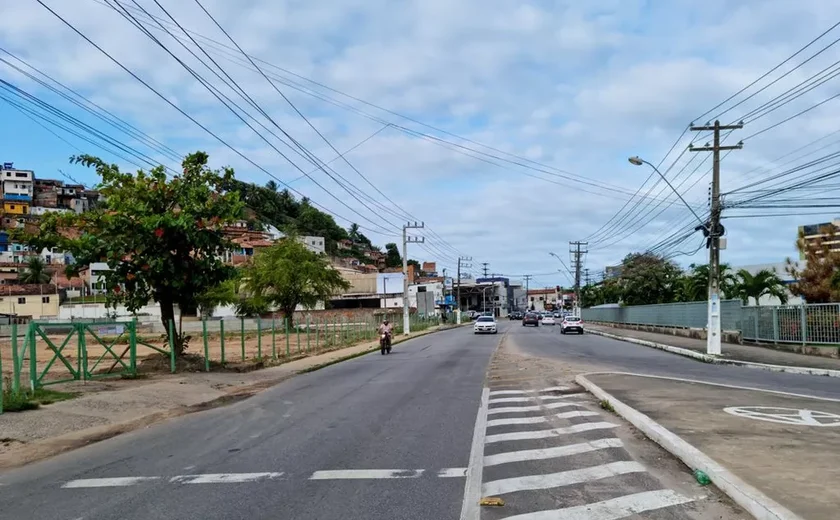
<point x="638" y="161"/>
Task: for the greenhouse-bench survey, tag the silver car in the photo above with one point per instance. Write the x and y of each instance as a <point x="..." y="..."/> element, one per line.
<point x="485" y="325"/>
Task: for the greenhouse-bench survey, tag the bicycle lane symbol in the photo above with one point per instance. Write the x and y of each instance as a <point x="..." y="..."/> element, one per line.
<point x="794" y="416"/>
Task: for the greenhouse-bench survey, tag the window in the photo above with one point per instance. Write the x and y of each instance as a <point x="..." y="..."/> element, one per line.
<point x="12" y="206"/>
<point x="20" y="175"/>
<point x="21" y="301"/>
<point x="45" y="299"/>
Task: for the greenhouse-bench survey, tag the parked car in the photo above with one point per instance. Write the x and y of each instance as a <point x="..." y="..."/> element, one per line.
<point x="548" y="320"/>
<point x="531" y="318"/>
<point x="515" y="315"/>
<point x="485" y="325"/>
<point x="571" y="324"/>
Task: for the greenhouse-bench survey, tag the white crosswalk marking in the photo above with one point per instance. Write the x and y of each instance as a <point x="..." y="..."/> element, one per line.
<point x="613" y="509"/>
<point x="551" y="453"/>
<point x="363" y="474"/>
<point x="544" y="434"/>
<point x="535" y="408"/>
<point x="107" y="482"/>
<point x="527" y="399"/>
<point x="452" y="472"/>
<point x="224" y="478"/>
<point x="564" y="478"/>
<point x="526" y="392"/>
<point x="539" y="419"/>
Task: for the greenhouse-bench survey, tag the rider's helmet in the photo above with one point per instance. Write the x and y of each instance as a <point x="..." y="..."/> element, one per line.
<point x="385" y="322"/>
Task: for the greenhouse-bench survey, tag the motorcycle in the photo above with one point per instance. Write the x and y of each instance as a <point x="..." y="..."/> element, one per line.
<point x="385" y="343"/>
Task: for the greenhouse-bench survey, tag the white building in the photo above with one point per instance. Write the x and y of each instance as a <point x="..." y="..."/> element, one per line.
<point x="314" y="244"/>
<point x="43" y="210"/>
<point x="17" y="184"/>
<point x="426" y="304"/>
<point x="94" y="278"/>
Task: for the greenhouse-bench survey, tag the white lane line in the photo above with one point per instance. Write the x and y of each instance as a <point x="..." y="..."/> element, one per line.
<point x="495" y="393"/>
<point x="106" y="482"/>
<point x="564" y="478"/>
<point x="472" y="487"/>
<point x="527" y="399"/>
<point x="535" y="408"/>
<point x="224" y="478"/>
<point x="365" y="474"/>
<point x="544" y="434"/>
<point x="539" y="419"/>
<point x="452" y="472"/>
<point x="613" y="509"/>
<point x="551" y="453"/>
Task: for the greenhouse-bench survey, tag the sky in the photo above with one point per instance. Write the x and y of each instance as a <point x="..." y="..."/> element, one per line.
<point x="504" y="127"/>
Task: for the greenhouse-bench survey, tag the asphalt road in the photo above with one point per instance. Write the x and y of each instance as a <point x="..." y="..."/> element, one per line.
<point x="297" y="451"/>
<point x="601" y="353"/>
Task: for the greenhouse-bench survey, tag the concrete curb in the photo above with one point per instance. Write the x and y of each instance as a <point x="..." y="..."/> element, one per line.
<point x="719" y="360"/>
<point x="751" y="499"/>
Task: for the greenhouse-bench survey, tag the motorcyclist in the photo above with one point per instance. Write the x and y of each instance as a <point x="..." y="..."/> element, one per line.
<point x="385" y="328"/>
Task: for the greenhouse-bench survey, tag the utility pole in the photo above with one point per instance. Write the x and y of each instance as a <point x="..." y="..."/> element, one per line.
<point x="714" y="231"/>
<point x="484" y="268"/>
<point x="462" y="262"/>
<point x="408" y="240"/>
<point x="586" y="276"/>
<point x="527" y="300"/>
<point x="577" y="253"/>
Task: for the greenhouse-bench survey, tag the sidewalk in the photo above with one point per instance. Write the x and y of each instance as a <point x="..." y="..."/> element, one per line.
<point x="779" y="452"/>
<point x="110" y="407"/>
<point x="729" y="351"/>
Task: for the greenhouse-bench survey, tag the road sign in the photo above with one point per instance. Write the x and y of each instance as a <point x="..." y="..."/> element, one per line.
<point x="794" y="416"/>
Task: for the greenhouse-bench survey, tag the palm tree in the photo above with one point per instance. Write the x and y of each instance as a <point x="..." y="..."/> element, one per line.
<point x="354" y="233"/>
<point x="762" y="283"/>
<point x="728" y="280"/>
<point x="35" y="271"/>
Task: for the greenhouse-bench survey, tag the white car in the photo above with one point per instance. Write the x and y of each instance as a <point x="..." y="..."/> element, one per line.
<point x="571" y="324"/>
<point x="548" y="319"/>
<point x="485" y="325"/>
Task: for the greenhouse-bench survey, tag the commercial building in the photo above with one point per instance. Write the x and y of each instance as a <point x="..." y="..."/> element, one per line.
<point x="814" y="233"/>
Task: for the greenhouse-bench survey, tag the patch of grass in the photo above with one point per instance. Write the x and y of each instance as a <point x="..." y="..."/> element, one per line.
<point x="22" y="401"/>
<point x="606" y="405"/>
<point x="46" y="396"/>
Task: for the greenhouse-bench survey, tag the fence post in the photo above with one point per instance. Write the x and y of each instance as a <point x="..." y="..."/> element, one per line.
<point x="222" y="340"/>
<point x="273" y="338"/>
<point x="803" y="323"/>
<point x="775" y="324"/>
<point x="308" y="333"/>
<point x="755" y="323"/>
<point x="82" y="362"/>
<point x="317" y="333"/>
<point x="297" y="332"/>
<point x="16" y="363"/>
<point x="33" y="369"/>
<point x="259" y="338"/>
<point x="206" y="345"/>
<point x="2" y="390"/>
<point x="242" y="336"/>
<point x="132" y="347"/>
<point x="171" y="345"/>
<point x="286" y="324"/>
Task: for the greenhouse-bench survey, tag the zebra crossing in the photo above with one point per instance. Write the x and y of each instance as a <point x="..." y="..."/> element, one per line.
<point x="552" y="453"/>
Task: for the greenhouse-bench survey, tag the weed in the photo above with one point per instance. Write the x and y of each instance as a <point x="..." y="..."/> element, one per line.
<point x="606" y="405"/>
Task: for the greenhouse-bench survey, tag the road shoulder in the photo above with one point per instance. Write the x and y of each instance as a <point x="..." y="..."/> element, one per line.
<point x="775" y="470"/>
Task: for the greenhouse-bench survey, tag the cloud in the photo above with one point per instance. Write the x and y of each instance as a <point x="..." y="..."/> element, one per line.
<point x="576" y="86"/>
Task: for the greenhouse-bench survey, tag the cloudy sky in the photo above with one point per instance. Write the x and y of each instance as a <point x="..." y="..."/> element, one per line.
<point x="504" y="126"/>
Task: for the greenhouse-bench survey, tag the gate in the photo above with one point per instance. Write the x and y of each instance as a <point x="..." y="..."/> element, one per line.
<point x="63" y="352"/>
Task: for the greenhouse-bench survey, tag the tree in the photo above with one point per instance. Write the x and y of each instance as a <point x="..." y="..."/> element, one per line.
<point x="392" y="255"/>
<point x="35" y="271"/>
<point x="764" y="282"/>
<point x="353" y="233"/>
<point x="162" y="239"/>
<point x="814" y="281"/>
<point x="648" y="278"/>
<point x="226" y="293"/>
<point x="287" y="274"/>
<point x="271" y="186"/>
<point x="698" y="287"/>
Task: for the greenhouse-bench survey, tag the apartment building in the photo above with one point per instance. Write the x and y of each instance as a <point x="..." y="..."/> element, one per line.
<point x="814" y="232"/>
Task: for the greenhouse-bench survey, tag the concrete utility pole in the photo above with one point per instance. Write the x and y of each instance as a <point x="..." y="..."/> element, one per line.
<point x="408" y="240"/>
<point x="461" y="263"/>
<point x="527" y="300"/>
<point x="714" y="231"/>
<point x="577" y="253"/>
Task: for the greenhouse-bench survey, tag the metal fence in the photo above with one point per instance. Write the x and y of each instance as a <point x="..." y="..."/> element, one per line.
<point x="810" y="324"/>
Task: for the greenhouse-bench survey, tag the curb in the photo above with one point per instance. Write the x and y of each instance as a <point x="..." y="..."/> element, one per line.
<point x="718" y="360"/>
<point x="751" y="499"/>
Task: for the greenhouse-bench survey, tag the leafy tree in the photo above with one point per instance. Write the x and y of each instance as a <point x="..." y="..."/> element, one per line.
<point x="700" y="281"/>
<point x="415" y="263"/>
<point x="392" y="255"/>
<point x="287" y="274"/>
<point x="814" y="281"/>
<point x="226" y="293"/>
<point x="608" y="291"/>
<point x="162" y="239"/>
<point x="648" y="278"/>
<point x="271" y="186"/>
<point x="764" y="282"/>
<point x="35" y="271"/>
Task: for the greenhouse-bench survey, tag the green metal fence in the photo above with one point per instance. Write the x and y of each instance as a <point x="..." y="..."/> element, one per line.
<point x="40" y="354"/>
<point x="809" y="324"/>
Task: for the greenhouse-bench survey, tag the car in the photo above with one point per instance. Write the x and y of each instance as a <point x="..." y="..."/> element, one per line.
<point x="485" y="325"/>
<point x="531" y="318"/>
<point x="515" y="315"/>
<point x="571" y="324"/>
<point x="548" y="320"/>
<point x="558" y="314"/>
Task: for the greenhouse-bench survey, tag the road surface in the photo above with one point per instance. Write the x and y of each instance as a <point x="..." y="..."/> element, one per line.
<point x="380" y="437"/>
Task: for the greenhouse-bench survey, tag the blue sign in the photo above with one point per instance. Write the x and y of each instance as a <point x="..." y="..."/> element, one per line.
<point x="8" y="165"/>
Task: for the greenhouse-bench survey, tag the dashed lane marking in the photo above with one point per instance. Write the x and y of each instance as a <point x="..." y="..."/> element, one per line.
<point x="535" y="408"/>
<point x="224" y="478"/>
<point x="564" y="478"/>
<point x="365" y="474"/>
<point x="553" y="432"/>
<point x="613" y="509"/>
<point x="107" y="482"/>
<point x="551" y="453"/>
<point x="539" y="419"/>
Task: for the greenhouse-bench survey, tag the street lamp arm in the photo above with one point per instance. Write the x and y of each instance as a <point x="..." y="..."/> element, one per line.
<point x="638" y="161"/>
